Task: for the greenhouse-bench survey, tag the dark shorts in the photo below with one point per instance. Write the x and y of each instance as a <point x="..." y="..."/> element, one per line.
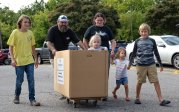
<point x="122" y="81"/>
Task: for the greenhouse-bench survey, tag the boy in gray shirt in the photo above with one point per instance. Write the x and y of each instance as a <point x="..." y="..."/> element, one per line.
<point x="144" y="50"/>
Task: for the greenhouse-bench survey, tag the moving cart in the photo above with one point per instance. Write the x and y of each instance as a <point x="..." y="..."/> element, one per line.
<point x="76" y="101"/>
<point x="81" y="75"/>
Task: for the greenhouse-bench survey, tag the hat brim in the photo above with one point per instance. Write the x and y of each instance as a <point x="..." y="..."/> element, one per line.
<point x="63" y="20"/>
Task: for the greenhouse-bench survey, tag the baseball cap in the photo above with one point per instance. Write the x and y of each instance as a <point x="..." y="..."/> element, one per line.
<point x="62" y="18"/>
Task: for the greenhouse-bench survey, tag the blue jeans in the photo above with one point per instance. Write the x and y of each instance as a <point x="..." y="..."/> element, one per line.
<point x="29" y="69"/>
<point x="122" y="81"/>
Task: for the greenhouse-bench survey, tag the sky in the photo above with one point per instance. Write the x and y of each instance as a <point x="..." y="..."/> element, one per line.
<point x="15" y="5"/>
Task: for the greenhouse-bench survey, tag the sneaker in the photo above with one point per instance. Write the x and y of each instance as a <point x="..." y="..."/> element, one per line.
<point x="34" y="103"/>
<point x="164" y="102"/>
<point x="16" y="100"/>
<point x="137" y="101"/>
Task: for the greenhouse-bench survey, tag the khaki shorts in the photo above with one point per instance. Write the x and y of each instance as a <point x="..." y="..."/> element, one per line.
<point x="147" y="71"/>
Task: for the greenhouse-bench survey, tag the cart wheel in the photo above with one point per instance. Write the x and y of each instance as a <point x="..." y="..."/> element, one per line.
<point x="86" y="101"/>
<point x="75" y="105"/>
<point x="68" y="101"/>
<point x="95" y="102"/>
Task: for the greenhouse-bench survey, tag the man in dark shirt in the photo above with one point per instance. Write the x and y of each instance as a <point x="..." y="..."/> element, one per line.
<point x="59" y="37"/>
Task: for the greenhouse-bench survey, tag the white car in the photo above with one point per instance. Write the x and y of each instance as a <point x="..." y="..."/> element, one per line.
<point x="168" y="48"/>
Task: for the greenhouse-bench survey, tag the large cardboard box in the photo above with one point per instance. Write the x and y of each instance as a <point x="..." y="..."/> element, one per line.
<point x="81" y="74"/>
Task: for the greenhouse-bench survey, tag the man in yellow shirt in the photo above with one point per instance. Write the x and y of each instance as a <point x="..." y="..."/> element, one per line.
<point x="22" y="49"/>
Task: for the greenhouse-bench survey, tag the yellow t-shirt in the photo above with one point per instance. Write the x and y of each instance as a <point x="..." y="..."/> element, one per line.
<point x="22" y="43"/>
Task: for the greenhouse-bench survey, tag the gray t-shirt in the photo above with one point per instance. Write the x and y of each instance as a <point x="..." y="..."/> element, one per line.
<point x="144" y="50"/>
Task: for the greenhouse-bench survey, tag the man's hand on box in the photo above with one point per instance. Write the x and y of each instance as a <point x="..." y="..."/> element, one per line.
<point x="53" y="52"/>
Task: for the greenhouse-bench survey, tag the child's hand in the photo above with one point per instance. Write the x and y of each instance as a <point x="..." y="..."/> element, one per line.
<point x="112" y="53"/>
<point x="128" y="67"/>
<point x="36" y="63"/>
<point x="13" y="62"/>
<point x="161" y="69"/>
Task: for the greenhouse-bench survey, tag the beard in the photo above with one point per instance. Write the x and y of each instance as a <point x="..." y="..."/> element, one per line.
<point x="63" y="28"/>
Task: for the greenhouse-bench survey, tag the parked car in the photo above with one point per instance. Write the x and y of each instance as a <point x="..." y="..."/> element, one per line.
<point x="121" y="43"/>
<point x="168" y="48"/>
<point x="4" y="57"/>
<point x="43" y="53"/>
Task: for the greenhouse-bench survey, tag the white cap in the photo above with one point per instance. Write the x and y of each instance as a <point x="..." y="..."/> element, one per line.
<point x="62" y="18"/>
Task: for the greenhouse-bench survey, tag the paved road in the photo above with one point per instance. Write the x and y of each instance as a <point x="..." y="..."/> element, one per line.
<point x="169" y="80"/>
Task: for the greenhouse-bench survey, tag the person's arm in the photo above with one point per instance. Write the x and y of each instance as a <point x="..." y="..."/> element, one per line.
<point x="85" y="43"/>
<point x="35" y="56"/>
<point x="50" y="45"/>
<point x="157" y="54"/>
<point x="133" y="55"/>
<point x="13" y="61"/>
<point x="80" y="43"/>
<point x="87" y="36"/>
<point x="50" y="39"/>
<point x="113" y="46"/>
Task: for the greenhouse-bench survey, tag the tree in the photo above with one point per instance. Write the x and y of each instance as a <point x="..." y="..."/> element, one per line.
<point x="40" y="27"/>
<point x="164" y="17"/>
<point x="52" y="4"/>
<point x="7" y="23"/>
<point x="131" y="13"/>
<point x="33" y="8"/>
<point x="81" y="13"/>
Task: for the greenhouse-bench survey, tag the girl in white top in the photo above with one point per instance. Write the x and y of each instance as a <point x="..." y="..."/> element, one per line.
<point x="95" y="43"/>
<point x="121" y="72"/>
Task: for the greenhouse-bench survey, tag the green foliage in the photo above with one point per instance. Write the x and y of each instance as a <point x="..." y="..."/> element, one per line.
<point x="7" y="24"/>
<point x="33" y="8"/>
<point x="130" y="22"/>
<point x="81" y="13"/>
<point x="40" y="27"/>
<point x="52" y="4"/>
<point x="164" y="17"/>
<point x="7" y="16"/>
<point x="6" y="31"/>
<point x="131" y="13"/>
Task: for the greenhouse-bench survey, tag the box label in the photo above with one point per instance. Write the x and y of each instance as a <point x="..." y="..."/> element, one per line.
<point x="60" y="70"/>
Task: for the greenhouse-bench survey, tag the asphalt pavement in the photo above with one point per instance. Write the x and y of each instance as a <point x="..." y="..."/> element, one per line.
<point x="50" y="102"/>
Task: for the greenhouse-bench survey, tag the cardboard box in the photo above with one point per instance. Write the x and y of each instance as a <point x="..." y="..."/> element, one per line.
<point x="81" y="74"/>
